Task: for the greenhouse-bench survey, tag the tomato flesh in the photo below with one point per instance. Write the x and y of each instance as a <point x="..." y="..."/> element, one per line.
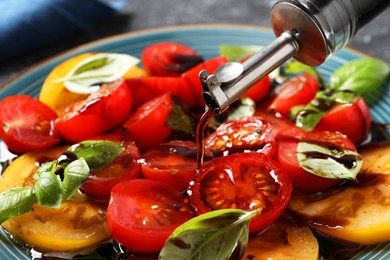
<point x="124" y="167"/>
<point x="242" y="134"/>
<point x="142" y="213"/>
<point x="27" y="124"/>
<point x="248" y="181"/>
<point x="174" y="162"/>
<point x="97" y="114"/>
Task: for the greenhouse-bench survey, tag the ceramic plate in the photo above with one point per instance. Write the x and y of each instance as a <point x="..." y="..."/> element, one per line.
<point x="206" y="39"/>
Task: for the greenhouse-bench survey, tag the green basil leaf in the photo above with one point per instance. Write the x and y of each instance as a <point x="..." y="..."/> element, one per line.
<point x="91" y="65"/>
<point x="242" y="107"/>
<point x="179" y="119"/>
<point x="97" y="153"/>
<point x="98" y="68"/>
<point x="361" y="76"/>
<point x="46" y="167"/>
<point x="75" y="174"/>
<point x="213" y="235"/>
<point x="329" y="163"/>
<point x="307" y="117"/>
<point x="15" y="202"/>
<point x="246" y="107"/>
<point x="48" y="190"/>
<point x="237" y="53"/>
<point x="294" y="67"/>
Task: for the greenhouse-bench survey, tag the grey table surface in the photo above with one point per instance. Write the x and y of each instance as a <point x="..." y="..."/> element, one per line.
<point x="373" y="39"/>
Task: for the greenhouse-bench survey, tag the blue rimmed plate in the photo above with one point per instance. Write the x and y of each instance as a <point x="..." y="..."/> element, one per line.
<point x="206" y="39"/>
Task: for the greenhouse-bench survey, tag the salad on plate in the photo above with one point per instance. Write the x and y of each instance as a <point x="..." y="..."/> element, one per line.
<point x="106" y="159"/>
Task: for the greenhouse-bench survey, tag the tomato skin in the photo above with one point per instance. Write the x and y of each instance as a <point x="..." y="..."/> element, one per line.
<point x="174" y="163"/>
<point x="242" y="134"/>
<point x="247" y="181"/>
<point x="142" y="221"/>
<point x="27" y="124"/>
<point x="299" y="90"/>
<point x="353" y="120"/>
<point x="147" y="88"/>
<point x="191" y="88"/>
<point x="259" y="90"/>
<point x="124" y="167"/>
<point x="146" y="125"/>
<point x="287" y="142"/>
<point x="169" y="59"/>
<point x="97" y="114"/>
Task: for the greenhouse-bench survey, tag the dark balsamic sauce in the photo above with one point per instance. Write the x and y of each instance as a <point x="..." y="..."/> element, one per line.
<point x="200" y="129"/>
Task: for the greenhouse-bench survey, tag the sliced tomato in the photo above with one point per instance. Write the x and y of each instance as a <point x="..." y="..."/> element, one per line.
<point x="147" y="88"/>
<point x="169" y="59"/>
<point x="286" y="154"/>
<point x="288" y="238"/>
<point x="97" y="114"/>
<point x="27" y="124"/>
<point x="174" y="163"/>
<point x="146" y="125"/>
<point x="142" y="213"/>
<point x="124" y="167"/>
<point x="248" y="181"/>
<point x="240" y="135"/>
<point x="191" y="88"/>
<point x="358" y="211"/>
<point x="299" y="90"/>
<point x="353" y="120"/>
<point x="277" y="121"/>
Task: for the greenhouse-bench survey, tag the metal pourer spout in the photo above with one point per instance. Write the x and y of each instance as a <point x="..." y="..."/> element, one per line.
<point x="311" y="31"/>
<point x="232" y="79"/>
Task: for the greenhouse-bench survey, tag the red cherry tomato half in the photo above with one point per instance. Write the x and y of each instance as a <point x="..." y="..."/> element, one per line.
<point x="240" y="135"/>
<point x="146" y="125"/>
<point x="27" y="124"/>
<point x="247" y="181"/>
<point x="286" y="154"/>
<point x="143" y="213"/>
<point x="191" y="88"/>
<point x="169" y="59"/>
<point x="353" y="120"/>
<point x="124" y="167"/>
<point x="259" y="90"/>
<point x="98" y="113"/>
<point x="147" y="88"/>
<point x="277" y="121"/>
<point x="174" y="163"/>
<point x="299" y="90"/>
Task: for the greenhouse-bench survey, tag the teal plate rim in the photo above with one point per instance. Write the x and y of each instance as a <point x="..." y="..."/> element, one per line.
<point x="206" y="39"/>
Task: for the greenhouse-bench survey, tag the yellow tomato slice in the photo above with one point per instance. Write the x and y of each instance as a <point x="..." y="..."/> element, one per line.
<point x="75" y="226"/>
<point x="287" y="238"/>
<point x="357" y="212"/>
<point x="57" y="96"/>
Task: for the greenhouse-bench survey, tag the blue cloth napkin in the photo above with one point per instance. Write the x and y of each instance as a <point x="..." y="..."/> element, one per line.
<point x="27" y="25"/>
